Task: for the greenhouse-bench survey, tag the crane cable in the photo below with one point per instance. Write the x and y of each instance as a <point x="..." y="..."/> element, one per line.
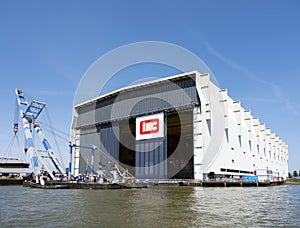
<point x="20" y="148"/>
<point x="16" y="122"/>
<point x="15" y="136"/>
<point x="60" y="134"/>
<point x="54" y="138"/>
<point x="10" y="147"/>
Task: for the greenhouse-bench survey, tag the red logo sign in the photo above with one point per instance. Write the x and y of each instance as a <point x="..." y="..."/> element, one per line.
<point x="149" y="126"/>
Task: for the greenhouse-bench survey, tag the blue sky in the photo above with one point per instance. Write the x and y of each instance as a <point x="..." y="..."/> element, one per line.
<point x="252" y="47"/>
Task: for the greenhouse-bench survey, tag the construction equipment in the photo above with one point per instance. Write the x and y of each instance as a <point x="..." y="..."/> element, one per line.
<point x="112" y="175"/>
<point x="29" y="114"/>
<point x="116" y="173"/>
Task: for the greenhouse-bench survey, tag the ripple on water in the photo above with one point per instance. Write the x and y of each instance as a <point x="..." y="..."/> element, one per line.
<point x="152" y="207"/>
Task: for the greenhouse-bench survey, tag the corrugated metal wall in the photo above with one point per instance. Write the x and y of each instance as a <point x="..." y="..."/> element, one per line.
<point x="151" y="163"/>
<point x="107" y="135"/>
<point x="140" y="101"/>
<point x="88" y="137"/>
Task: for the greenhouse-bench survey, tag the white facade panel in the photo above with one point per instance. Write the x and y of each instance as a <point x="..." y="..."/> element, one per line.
<point x="246" y="146"/>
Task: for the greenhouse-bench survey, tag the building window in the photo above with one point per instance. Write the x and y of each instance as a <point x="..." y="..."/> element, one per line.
<point x="226" y="133"/>
<point x="209" y="126"/>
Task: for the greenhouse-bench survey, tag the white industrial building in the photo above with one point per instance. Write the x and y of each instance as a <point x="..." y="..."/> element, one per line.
<point x="182" y="127"/>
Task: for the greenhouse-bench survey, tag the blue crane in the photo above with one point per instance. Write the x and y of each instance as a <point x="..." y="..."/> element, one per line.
<point x="29" y="113"/>
<point x="92" y="148"/>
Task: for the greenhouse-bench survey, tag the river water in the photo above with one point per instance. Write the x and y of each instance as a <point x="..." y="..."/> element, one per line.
<point x="157" y="206"/>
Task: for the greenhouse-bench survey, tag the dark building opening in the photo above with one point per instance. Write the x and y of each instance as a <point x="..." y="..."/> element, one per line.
<point x="127" y="144"/>
<point x="180" y="145"/>
<point x="176" y="147"/>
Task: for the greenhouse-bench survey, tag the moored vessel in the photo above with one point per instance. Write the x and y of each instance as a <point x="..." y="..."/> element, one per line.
<point x="13" y="171"/>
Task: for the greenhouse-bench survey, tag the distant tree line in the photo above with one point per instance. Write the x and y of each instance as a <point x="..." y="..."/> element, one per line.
<point x="295" y="174"/>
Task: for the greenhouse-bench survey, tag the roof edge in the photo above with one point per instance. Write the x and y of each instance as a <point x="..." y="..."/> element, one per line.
<point x="131" y="87"/>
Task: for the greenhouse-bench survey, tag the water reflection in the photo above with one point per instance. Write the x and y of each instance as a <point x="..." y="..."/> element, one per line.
<point x="153" y="207"/>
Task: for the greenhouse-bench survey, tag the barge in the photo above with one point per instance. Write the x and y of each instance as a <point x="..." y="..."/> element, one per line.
<point x="83" y="185"/>
<point x="13" y="171"/>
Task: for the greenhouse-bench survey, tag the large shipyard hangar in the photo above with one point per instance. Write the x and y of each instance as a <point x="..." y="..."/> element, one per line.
<point x="180" y="127"/>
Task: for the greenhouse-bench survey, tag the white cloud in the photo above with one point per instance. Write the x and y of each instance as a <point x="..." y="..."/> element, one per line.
<point x="276" y="89"/>
<point x="221" y="57"/>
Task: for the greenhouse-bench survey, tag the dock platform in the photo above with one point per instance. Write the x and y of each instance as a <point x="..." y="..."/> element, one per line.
<point x="228" y="183"/>
<point x="83" y="185"/>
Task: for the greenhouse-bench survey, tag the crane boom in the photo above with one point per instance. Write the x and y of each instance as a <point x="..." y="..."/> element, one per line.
<point x="48" y="148"/>
<point x="28" y="136"/>
<point x="29" y="114"/>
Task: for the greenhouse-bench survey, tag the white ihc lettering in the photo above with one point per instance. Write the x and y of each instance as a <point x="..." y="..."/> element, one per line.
<point x="152" y="126"/>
